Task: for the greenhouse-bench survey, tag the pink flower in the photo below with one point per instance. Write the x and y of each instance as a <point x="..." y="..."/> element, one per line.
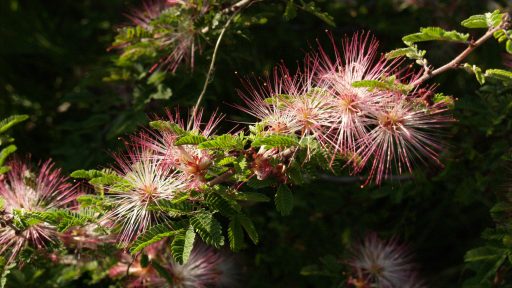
<point x="149" y="11"/>
<point x="290" y="104"/>
<point x="352" y="106"/>
<point x="188" y="159"/>
<point x="404" y="131"/>
<point x="140" y="275"/>
<point x="378" y="263"/>
<point x="144" y="180"/>
<point x="171" y="30"/>
<point x="206" y="267"/>
<point x="26" y="190"/>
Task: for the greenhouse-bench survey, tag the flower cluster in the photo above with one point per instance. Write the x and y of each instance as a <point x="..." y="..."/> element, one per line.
<point x="357" y="106"/>
<point x="26" y="190"/>
<point x="206" y="267"/>
<point x="383" y="264"/>
<point x="166" y="28"/>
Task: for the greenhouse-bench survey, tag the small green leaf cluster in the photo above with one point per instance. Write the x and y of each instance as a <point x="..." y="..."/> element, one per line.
<point x="5" y="151"/>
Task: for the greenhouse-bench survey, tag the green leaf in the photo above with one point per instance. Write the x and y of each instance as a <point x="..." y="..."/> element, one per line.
<point x="182" y="245"/>
<point x="410" y="52"/>
<point x="87" y="174"/>
<point x="448" y="100"/>
<point x="190" y="139"/>
<point x="225" y="205"/>
<point x="387" y="84"/>
<point x="499" y="74"/>
<point x="486" y="20"/>
<point x="484" y="254"/>
<point x="161" y="93"/>
<point x="224" y="142"/>
<point x="6" y="269"/>
<point x="62" y="219"/>
<point x="208" y="228"/>
<point x="275" y="140"/>
<point x="174" y="209"/>
<point x="4" y="169"/>
<point x="235" y="234"/>
<point x="5" y="152"/>
<point x="10" y="121"/>
<point x="435" y="33"/>
<point x="166" y="126"/>
<point x="249" y="228"/>
<point x="226" y="161"/>
<point x="2" y="203"/>
<point x="152" y="235"/>
<point x="508" y="46"/>
<point x="284" y="200"/>
<point x="251" y="196"/>
<point x="290" y="11"/>
<point x="324" y="16"/>
<point x="477" y="71"/>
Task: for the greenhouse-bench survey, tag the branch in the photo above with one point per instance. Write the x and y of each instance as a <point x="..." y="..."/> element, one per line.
<point x="210" y="71"/>
<point x="234" y="8"/>
<point x="455" y="63"/>
<point x="222" y="178"/>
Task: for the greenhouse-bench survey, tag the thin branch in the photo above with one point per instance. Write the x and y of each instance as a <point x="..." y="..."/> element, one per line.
<point x="222" y="178"/>
<point x="234" y="8"/>
<point x="456" y="62"/>
<point x="210" y="71"/>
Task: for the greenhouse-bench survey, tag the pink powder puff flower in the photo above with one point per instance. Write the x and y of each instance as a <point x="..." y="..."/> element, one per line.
<point x="378" y="263"/>
<point x="206" y="267"/>
<point x="86" y="237"/>
<point x="139" y="274"/>
<point x="289" y="104"/>
<point x="190" y="160"/>
<point x="26" y="190"/>
<point x="177" y="34"/>
<point x="149" y="11"/>
<point x="404" y="131"/>
<point x="145" y="181"/>
<point x="348" y="119"/>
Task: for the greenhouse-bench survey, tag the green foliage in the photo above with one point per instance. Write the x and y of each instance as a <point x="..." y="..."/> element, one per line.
<point x="223" y="203"/>
<point x="173" y="208"/>
<point x="275" y="140"/>
<point x="251" y="196"/>
<point x="410" y="52"/>
<point x="434" y="34"/>
<point x="208" y="228"/>
<point x="499" y="74"/>
<point x="153" y="235"/>
<point x="310" y="7"/>
<point x="487" y="20"/>
<point x="182" y="244"/>
<point x="62" y="219"/>
<point x="225" y="142"/>
<point x="284" y="200"/>
<point x="480" y="77"/>
<point x="6" y="124"/>
<point x="164" y="126"/>
<point x="235" y="234"/>
<point x="387" y="84"/>
<point x="190" y="139"/>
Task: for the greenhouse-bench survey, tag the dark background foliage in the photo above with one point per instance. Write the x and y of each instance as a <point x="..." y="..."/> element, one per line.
<point x="53" y="65"/>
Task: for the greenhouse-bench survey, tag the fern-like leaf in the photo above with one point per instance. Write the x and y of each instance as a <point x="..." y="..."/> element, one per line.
<point x="208" y="228"/>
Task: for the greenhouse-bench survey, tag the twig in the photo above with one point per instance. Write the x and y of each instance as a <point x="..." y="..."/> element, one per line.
<point x="234" y="8"/>
<point x="222" y="178"/>
<point x="455" y="63"/>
